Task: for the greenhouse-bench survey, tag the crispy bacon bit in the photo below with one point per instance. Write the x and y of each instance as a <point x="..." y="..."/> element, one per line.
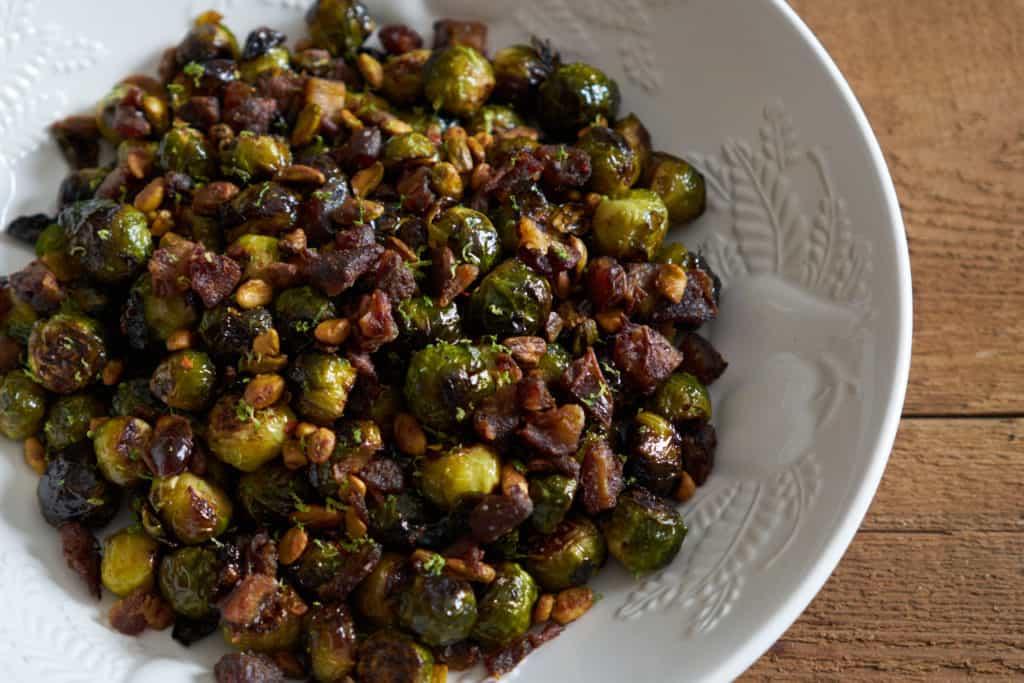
<point x="533" y="393"/>
<point x="645" y="357"/>
<point x="336" y="271"/>
<point x="169" y="266"/>
<point x="393" y="277"/>
<point x="383" y="476"/>
<point x="454" y="32"/>
<point x="414" y="186"/>
<point x="36" y="284"/>
<point x="554" y="432"/>
<point x="565" y="167"/>
<point x="244" y="111"/>
<point x="699" y="452"/>
<point x="701" y="359"/>
<point x="494" y="516"/>
<point x="82" y="552"/>
<point x="201" y="112"/>
<point x="355" y="566"/>
<point x="585" y="382"/>
<point x="362" y="149"/>
<point x="213" y="276"/>
<point x="516" y="175"/>
<point x="498" y="415"/>
<point x="374" y="326"/>
<point x="239" y="667"/>
<point x="697" y="306"/>
<point x="601" y="479"/>
<point x="399" y="39"/>
<point x="126" y="615"/>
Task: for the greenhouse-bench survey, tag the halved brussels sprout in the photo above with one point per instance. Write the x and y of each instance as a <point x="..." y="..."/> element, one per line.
<point x="269" y="493"/>
<point x="400" y="519"/>
<point x="133" y="398"/>
<point x="637" y="137"/>
<point x="129" y="561"/>
<point x="194" y="509"/>
<point x="506" y="608"/>
<point x="274" y="60"/>
<point x="278" y="626"/>
<point x="390" y="656"/>
<point x="19" y="320"/>
<point x="403" y="77"/>
<point x="244" y="437"/>
<point x="332" y="643"/>
<point x="614" y="166"/>
<point x="553" y="363"/>
<point x="266" y="207"/>
<point x="164" y="314"/>
<point x="249" y="157"/>
<point x="66" y="352"/>
<point x="440" y="610"/>
<point x="120" y="444"/>
<point x="678" y="184"/>
<point x="22" y="406"/>
<point x="657" y="459"/>
<point x="67" y="421"/>
<point x="457" y="80"/>
<point x="297" y="312"/>
<point x="632" y="226"/>
<point x="110" y="241"/>
<point x="470" y="235"/>
<point x="569" y="556"/>
<point x="72" y="489"/>
<point x="409" y="148"/>
<point x="323" y="381"/>
<point x="512" y="300"/>
<point x="460" y="473"/>
<point x="185" y="380"/>
<point x="672" y="252"/>
<point x="207" y="40"/>
<point x="53" y="249"/>
<point x="188" y="581"/>
<point x="258" y="251"/>
<point x="185" y="150"/>
<point x="682" y="397"/>
<point x="421" y="321"/>
<point x="228" y="332"/>
<point x="340" y="26"/>
<point x="644" y="532"/>
<point x="518" y="72"/>
<point x="574" y="95"/>
<point x="494" y="118"/>
<point x="377" y="597"/>
<point x="552" y="496"/>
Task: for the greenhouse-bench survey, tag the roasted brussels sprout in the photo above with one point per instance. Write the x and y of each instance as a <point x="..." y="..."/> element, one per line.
<point x="274" y="60"/>
<point x="297" y="312"/>
<point x="331" y="642"/>
<point x="505" y="610"/>
<point x="206" y="41"/>
<point x="19" y="320"/>
<point x="66" y="352"/>
<point x="421" y="321"/>
<point x="403" y="77"/>
<point x="277" y="625"/>
<point x="129" y="561"/>
<point x="657" y="460"/>
<point x="269" y="493"/>
<point x="133" y="398"/>
<point x="129" y="112"/>
<point x="682" y="397"/>
<point x="553" y="363"/>
<point x="389" y="656"/>
<point x="470" y="235"/>
<point x="409" y="148"/>
<point x="574" y="95"/>
<point x="120" y="443"/>
<point x="340" y="26"/>
<point x="195" y="510"/>
<point x="255" y="252"/>
<point x="399" y="520"/>
<point x="637" y="136"/>
<point x="323" y="381"/>
<point x="228" y="332"/>
<point x="111" y="242"/>
<point x="185" y="380"/>
<point x="460" y="473"/>
<point x="251" y="156"/>
<point x="567" y="557"/>
<point x="245" y="437"/>
<point x="644" y="532"/>
<point x="67" y="420"/>
<point x="672" y="252"/>
<point x="518" y="72"/>
<point x="678" y="184"/>
<point x="164" y="314"/>
<point x="185" y="150"/>
<point x="377" y="597"/>
<point x="552" y="496"/>
<point x="356" y="442"/>
<point x="632" y="226"/>
<point x="614" y="166"/>
<point x="457" y="80"/>
<point x="512" y="300"/>
<point x="80" y="185"/>
<point x="494" y="118"/>
<point x="445" y="382"/>
<point x="188" y="581"/>
<point x="266" y="207"/>
<point x="332" y="569"/>
<point x="439" y="609"/>
<point x="72" y="489"/>
<point x="53" y="249"/>
<point x="22" y="406"/>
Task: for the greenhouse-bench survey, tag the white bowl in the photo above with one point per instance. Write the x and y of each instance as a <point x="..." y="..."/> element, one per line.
<point x="803" y="227"/>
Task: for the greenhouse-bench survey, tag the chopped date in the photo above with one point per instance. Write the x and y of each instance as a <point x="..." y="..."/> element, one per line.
<point x="454" y="32"/>
<point x="607" y="283"/>
<point x="240" y="667"/>
<point x="554" y="432"/>
<point x="245" y="603"/>
<point x="374" y="324"/>
<point x="601" y="479"/>
<point x="699" y="452"/>
<point x="698" y="304"/>
<point x="261" y="40"/>
<point x="498" y="415"/>
<point x="82" y="553"/>
<point x="496" y="515"/>
<point x="393" y="277"/>
<point x="213" y="276"/>
<point x="36" y="284"/>
<point x="645" y="357"/>
<point x="701" y="359"/>
<point x="586" y="383"/>
<point x="399" y="39"/>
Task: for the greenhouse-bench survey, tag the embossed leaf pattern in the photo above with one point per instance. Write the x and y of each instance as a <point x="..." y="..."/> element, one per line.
<point x="717" y="179"/>
<point x="778" y="137"/>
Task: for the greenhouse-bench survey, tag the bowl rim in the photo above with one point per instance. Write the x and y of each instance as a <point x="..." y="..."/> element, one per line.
<point x="817" y="573"/>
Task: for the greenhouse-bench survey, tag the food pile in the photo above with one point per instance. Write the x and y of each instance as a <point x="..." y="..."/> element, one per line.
<point x="382" y="348"/>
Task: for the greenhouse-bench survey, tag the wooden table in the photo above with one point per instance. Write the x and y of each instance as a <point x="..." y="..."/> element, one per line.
<point x="932" y="587"/>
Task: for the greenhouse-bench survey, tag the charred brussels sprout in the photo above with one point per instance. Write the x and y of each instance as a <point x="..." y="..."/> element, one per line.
<point x="19" y="320"/>
<point x="470" y="235"/>
<point x="553" y="363"/>
<point x="323" y="381"/>
<point x="206" y="41"/>
<point x="53" y="249"/>
<point x="376" y="598"/>
<point x="194" y="509"/>
<point x="678" y="184"/>
<point x="403" y="77"/>
<point x="400" y="519"/>
<point x="569" y="556"/>
<point x="250" y="156"/>
<point x="445" y="382"/>
<point x="256" y="253"/>
<point x="332" y="568"/>
<point x="494" y="118"/>
<point x="518" y="72"/>
<point x="332" y="643"/>
<point x="274" y="60"/>
<point x="390" y="656"/>
<point x="631" y="226"/>
<point x="682" y="397"/>
<point x="67" y="421"/>
<point x="266" y="207"/>
<point x="644" y="533"/>
<point x="614" y="166"/>
<point x="185" y="380"/>
<point x="409" y="148"/>
<point x="80" y="185"/>
<point x="512" y="300"/>
<point x="22" y="406"/>
<point x="672" y="252"/>
<point x="133" y="398"/>
<point x="72" y="489"/>
<point x="269" y="493"/>
<point x="340" y="26"/>
<point x="129" y="561"/>
<point x="439" y="609"/>
<point x="66" y="352"/>
<point x="461" y="473"/>
<point x="421" y="321"/>
<point x="505" y="610"/>
<point x="110" y="241"/>
<point x="552" y="497"/>
<point x="119" y="444"/>
<point x="356" y="441"/>
<point x="576" y="94"/>
<point x="657" y="458"/>
<point x="276" y="626"/>
<point x="185" y="150"/>
<point x="164" y="314"/>
<point x="457" y="80"/>
<point x="297" y="312"/>
<point x="228" y="332"/>
<point x="128" y="112"/>
<point x="244" y="437"/>
<point x="637" y="137"/>
<point x="188" y="581"/>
